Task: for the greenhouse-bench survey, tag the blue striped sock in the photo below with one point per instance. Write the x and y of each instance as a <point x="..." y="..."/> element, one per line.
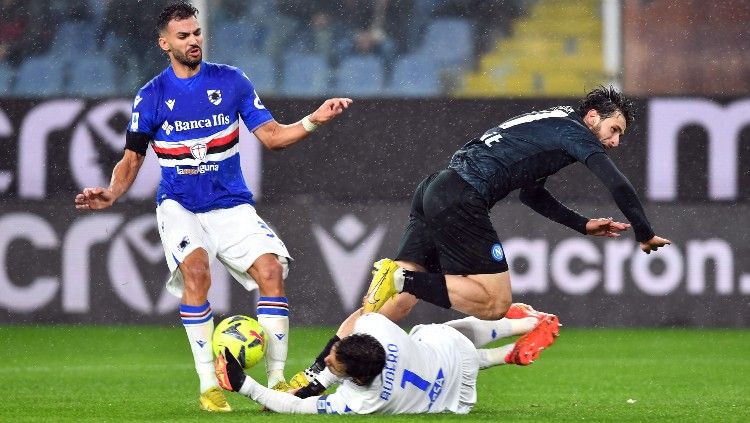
<point x="194" y="315"/>
<point x="199" y="326"/>
<point x="273" y="315"/>
<point x="273" y="306"/>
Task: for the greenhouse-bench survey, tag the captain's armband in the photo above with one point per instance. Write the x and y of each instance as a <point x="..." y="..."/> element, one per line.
<point x="137" y="142"/>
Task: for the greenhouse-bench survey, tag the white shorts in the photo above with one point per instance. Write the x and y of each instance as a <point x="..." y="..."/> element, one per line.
<point x="236" y="236"/>
<point x="464" y="352"/>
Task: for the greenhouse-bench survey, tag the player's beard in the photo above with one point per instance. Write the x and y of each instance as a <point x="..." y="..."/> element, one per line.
<point x="183" y="59"/>
<point x="596" y="130"/>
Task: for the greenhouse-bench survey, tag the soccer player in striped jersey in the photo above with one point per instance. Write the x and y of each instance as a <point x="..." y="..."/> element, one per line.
<point x="190" y="114"/>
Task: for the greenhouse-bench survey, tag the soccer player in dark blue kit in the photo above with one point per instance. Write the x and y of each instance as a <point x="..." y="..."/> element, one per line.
<point x="451" y="256"/>
<point x="190" y="115"/>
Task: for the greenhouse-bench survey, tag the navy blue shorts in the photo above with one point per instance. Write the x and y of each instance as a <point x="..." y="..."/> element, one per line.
<point x="449" y="229"/>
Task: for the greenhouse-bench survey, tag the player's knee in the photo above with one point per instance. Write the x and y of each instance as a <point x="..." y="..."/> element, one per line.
<point x="270" y="277"/>
<point x="495" y="309"/>
<point x="197" y="277"/>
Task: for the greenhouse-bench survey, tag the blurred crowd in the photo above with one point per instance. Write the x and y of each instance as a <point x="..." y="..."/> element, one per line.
<point x="123" y="30"/>
<point x="340" y="28"/>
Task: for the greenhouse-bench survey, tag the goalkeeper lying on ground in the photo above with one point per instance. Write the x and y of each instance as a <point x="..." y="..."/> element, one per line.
<point x="381" y="369"/>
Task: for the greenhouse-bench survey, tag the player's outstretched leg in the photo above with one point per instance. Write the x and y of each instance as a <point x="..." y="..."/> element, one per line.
<point x="383" y="285"/>
<point x="528" y="347"/>
<point x="540" y="330"/>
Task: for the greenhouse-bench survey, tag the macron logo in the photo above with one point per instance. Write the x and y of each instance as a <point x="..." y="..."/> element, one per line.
<point x="170" y="103"/>
<point x="279" y="335"/>
<point x="200" y="343"/>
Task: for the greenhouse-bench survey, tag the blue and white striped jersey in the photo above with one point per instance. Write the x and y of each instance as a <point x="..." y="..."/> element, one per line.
<point x="194" y="124"/>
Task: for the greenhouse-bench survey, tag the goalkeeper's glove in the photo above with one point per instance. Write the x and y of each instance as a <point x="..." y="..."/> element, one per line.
<point x="229" y="371"/>
<point x="314" y="388"/>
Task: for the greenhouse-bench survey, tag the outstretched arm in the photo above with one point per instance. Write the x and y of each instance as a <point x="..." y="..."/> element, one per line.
<point x="627" y="200"/>
<point x="233" y="378"/>
<point x="276" y="136"/>
<point x="541" y="201"/>
<point x="123" y="175"/>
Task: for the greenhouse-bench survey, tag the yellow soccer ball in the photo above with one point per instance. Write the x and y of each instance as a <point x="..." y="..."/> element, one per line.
<point x="244" y="337"/>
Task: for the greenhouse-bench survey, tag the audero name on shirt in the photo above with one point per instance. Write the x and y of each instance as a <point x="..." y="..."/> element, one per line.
<point x="197" y="170"/>
<point x="389" y="371"/>
<point x="214" y="120"/>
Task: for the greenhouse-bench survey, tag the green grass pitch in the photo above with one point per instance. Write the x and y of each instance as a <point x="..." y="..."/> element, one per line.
<point x="98" y="374"/>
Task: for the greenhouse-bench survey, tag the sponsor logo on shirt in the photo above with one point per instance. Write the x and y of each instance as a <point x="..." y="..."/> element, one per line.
<point x="215" y="120"/>
<point x="182" y="170"/>
<point x="167" y="127"/>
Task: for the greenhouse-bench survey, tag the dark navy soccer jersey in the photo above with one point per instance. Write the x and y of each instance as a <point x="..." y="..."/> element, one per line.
<point x="194" y="125"/>
<point x="523" y="150"/>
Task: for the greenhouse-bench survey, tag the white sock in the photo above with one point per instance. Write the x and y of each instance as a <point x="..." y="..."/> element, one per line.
<point x="482" y="332"/>
<point x="522" y="326"/>
<point x="398" y="279"/>
<point x="199" y="326"/>
<point x="493" y="356"/>
<point x="273" y="315"/>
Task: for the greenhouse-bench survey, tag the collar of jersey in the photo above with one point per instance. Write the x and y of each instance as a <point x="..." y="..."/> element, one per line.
<point x="187" y="83"/>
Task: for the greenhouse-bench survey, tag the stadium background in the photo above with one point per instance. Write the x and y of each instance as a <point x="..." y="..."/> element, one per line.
<point x="340" y="199"/>
<point x="87" y="332"/>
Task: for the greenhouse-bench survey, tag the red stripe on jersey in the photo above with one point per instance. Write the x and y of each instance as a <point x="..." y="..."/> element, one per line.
<point x="226" y="139"/>
<point x="216" y="142"/>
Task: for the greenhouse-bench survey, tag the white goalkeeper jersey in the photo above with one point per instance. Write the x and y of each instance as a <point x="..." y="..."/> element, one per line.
<point x="431" y="370"/>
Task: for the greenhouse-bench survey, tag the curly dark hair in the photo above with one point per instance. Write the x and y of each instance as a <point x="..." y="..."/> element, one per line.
<point x="363" y="357"/>
<point x="606" y="101"/>
<point x="176" y="11"/>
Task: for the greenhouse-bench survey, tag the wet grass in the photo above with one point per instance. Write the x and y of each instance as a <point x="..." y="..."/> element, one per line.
<point x="90" y="373"/>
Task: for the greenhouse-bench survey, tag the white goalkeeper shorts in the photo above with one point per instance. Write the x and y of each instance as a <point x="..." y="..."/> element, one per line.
<point x="236" y="236"/>
<point x="454" y="344"/>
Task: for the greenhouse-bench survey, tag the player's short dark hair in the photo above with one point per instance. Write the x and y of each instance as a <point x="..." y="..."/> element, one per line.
<point x="174" y="11"/>
<point x="606" y="101"/>
<point x="362" y="355"/>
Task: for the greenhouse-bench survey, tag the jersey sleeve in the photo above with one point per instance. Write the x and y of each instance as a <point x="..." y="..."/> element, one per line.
<point x="623" y="193"/>
<point x="280" y="402"/>
<point x="252" y="110"/>
<point x="143" y="117"/>
<point x="539" y="199"/>
<point x="334" y="403"/>
<point x="581" y="144"/>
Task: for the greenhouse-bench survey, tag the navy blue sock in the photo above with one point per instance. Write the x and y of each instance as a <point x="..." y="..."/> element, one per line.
<point x="430" y="287"/>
